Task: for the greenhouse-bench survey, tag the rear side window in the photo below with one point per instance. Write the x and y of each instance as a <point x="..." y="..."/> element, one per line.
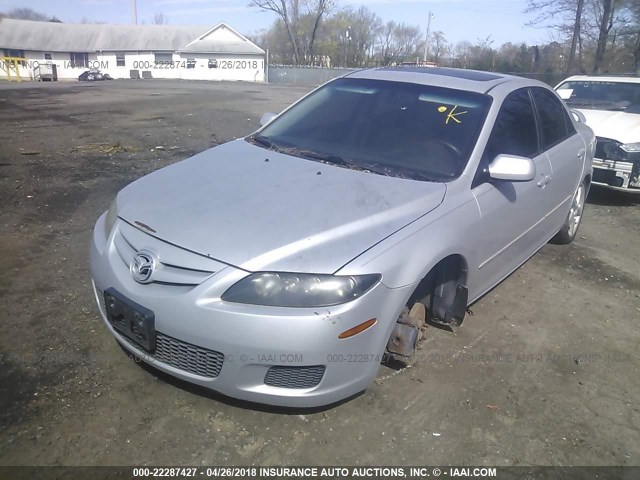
<point x="554" y="123"/>
<point x="514" y="132"/>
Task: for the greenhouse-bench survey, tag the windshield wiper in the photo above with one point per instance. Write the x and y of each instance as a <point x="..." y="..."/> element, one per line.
<point x="327" y="158"/>
<point x="324" y="158"/>
<point x="332" y="159"/>
<point x="377" y="168"/>
<point x="392" y="171"/>
<point x="264" y="141"/>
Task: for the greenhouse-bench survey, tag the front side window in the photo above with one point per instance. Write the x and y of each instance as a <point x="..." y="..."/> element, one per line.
<point x="391" y="128"/>
<point x="552" y="118"/>
<point x="514" y="132"/>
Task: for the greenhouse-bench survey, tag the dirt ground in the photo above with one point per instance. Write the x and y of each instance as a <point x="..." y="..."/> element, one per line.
<point x="545" y="371"/>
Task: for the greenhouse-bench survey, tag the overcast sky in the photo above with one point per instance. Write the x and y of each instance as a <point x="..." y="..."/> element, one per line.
<point x="502" y="20"/>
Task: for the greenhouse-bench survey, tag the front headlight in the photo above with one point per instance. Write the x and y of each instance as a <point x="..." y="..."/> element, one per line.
<point x="112" y="216"/>
<point x="631" y="147"/>
<point x="279" y="289"/>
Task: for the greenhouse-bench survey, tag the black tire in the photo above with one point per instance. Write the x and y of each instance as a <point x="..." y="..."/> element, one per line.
<point x="570" y="227"/>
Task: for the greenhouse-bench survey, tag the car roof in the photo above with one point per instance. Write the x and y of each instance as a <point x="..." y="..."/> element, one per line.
<point x="457" y="78"/>
<point x="603" y="78"/>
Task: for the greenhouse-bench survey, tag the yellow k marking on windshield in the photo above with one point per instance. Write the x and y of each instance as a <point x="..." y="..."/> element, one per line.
<point x="452" y="115"/>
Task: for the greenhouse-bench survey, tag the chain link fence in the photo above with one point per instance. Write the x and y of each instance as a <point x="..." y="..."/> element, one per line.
<point x="304" y="76"/>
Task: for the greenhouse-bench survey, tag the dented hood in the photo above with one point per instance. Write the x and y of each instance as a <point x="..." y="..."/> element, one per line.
<point x="284" y="213"/>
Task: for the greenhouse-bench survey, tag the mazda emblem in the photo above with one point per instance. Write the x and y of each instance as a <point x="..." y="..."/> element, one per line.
<point x="142" y="266"/>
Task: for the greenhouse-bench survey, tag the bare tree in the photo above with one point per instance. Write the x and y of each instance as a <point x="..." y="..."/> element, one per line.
<point x="462" y="54"/>
<point x="631" y="30"/>
<point x="564" y="16"/>
<point x="291" y="12"/>
<point x="398" y="42"/>
<point x="482" y="54"/>
<point x="605" y="24"/>
<point x="348" y="36"/>
<point x="30" y="14"/>
<point x="575" y="37"/>
<point x="439" y="45"/>
<point x="160" y="19"/>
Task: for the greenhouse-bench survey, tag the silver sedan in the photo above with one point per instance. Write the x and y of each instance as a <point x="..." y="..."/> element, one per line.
<point x="281" y="268"/>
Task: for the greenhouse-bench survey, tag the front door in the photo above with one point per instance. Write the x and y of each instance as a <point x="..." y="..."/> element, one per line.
<point x="512" y="214"/>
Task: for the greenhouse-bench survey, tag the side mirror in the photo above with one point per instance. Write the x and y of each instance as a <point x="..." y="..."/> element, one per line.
<point x="512" y="168"/>
<point x="267" y="118"/>
<point x="579" y="116"/>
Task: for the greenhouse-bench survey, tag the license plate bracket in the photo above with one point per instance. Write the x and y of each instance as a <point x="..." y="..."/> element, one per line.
<point x="130" y="319"/>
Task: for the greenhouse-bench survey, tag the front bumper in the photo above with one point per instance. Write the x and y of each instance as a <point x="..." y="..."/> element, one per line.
<point x="278" y="356"/>
<point x="613" y="167"/>
<point x="616" y="174"/>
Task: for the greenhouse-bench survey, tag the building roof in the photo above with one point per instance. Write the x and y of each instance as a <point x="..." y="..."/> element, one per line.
<point x="68" y="37"/>
<point x="222" y="39"/>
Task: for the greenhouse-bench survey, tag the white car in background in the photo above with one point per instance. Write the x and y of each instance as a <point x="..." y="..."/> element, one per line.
<point x="611" y="107"/>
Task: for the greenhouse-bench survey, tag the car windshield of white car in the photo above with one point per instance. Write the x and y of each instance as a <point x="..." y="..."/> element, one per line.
<point x="389" y="128"/>
<point x="601" y="95"/>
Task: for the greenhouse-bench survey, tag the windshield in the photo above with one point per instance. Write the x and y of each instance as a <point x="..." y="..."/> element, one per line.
<point x="601" y="95"/>
<point x="391" y="128"/>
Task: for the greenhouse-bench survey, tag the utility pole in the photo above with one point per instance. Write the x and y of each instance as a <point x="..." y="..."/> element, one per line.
<point x="134" y="12"/>
<point x="347" y="38"/>
<point x="426" y="43"/>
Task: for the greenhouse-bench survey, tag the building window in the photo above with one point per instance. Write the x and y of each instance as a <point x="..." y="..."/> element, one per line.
<point x="79" y="60"/>
<point x="47" y="56"/>
<point x="163" y="58"/>
<point x="213" y="63"/>
<point x="120" y="59"/>
<point x="16" y="54"/>
<point x="191" y="63"/>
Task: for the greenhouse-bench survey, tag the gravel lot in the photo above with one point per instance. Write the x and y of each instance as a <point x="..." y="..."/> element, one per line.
<point x="545" y="371"/>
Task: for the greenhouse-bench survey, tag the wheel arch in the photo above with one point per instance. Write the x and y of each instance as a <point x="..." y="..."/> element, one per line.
<point x="439" y="287"/>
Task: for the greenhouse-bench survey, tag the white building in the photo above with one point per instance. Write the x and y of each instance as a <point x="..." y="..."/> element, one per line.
<point x="64" y="51"/>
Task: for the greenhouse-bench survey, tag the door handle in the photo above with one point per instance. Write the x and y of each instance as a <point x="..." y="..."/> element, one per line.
<point x="581" y="154"/>
<point x="544" y="179"/>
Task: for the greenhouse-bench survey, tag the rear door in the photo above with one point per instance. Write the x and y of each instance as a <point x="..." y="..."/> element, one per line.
<point x="566" y="151"/>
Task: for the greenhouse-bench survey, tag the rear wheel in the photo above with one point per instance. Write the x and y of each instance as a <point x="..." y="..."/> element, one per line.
<point x="570" y="228"/>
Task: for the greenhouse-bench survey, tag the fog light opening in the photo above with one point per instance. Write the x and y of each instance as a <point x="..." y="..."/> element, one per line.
<point x="358" y="329"/>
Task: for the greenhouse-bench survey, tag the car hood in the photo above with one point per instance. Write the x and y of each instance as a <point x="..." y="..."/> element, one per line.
<point x="621" y="126"/>
<point x="261" y="210"/>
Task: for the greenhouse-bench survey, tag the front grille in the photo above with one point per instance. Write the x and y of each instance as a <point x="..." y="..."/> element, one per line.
<point x="175" y="266"/>
<point x="176" y="353"/>
<point x="101" y="306"/>
<point x="185" y="356"/>
<point x="294" y="377"/>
